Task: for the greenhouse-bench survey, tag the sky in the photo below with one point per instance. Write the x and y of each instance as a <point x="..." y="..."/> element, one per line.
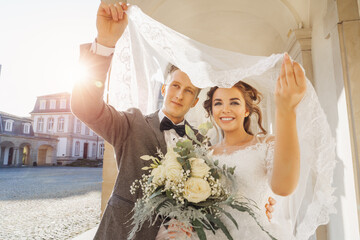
<point x="39" y="48"/>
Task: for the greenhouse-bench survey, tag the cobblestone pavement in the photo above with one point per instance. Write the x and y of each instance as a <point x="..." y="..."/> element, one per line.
<point x="48" y="202"/>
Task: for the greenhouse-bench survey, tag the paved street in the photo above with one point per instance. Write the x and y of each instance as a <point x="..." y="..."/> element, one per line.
<point x="49" y="202"/>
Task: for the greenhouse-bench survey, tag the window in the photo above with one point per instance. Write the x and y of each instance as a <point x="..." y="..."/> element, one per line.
<point x="9" y="125"/>
<point x="101" y="150"/>
<point x="77" y="148"/>
<point x="40" y="125"/>
<point x="42" y="104"/>
<point x="50" y="125"/>
<point x="78" y="126"/>
<point x="27" y="128"/>
<point x="52" y="104"/>
<point x="61" y="121"/>
<point x="93" y="150"/>
<point x="62" y="103"/>
<point x="87" y="130"/>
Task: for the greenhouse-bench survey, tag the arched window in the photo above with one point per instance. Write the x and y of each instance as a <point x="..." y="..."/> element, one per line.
<point x="60" y="125"/>
<point x="50" y="124"/>
<point x="9" y="125"/>
<point x="78" y="126"/>
<point x="87" y="130"/>
<point x="40" y="125"/>
<point x="27" y="128"/>
<point x="101" y="150"/>
<point x="63" y="103"/>
<point x="77" y="148"/>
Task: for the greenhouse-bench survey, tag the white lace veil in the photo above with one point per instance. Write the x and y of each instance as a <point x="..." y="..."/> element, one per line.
<point x="141" y="57"/>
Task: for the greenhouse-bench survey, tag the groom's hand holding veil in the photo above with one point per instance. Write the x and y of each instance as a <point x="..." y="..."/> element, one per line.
<point x="111" y="22"/>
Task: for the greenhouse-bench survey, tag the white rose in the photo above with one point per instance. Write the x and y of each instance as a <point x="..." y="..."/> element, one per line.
<point x="173" y="168"/>
<point x="159" y="175"/>
<point x="198" y="167"/>
<point x="197" y="190"/>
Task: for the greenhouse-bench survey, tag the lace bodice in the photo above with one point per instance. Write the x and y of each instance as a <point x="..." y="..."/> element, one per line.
<point x="253" y="172"/>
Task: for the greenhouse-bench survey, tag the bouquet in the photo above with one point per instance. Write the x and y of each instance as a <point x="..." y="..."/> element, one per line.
<point x="188" y="185"/>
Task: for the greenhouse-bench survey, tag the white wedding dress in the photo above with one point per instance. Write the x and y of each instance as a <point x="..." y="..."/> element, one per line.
<point x="253" y="171"/>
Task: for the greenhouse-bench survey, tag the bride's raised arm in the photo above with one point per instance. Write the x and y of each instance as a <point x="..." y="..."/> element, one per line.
<point x="290" y="89"/>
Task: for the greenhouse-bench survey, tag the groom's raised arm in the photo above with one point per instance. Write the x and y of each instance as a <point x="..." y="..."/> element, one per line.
<point x="87" y="95"/>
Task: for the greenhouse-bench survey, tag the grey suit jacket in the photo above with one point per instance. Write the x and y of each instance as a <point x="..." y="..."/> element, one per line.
<point x="130" y="133"/>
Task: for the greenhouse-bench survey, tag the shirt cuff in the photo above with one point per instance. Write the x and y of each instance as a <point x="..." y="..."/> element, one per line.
<point x="101" y="50"/>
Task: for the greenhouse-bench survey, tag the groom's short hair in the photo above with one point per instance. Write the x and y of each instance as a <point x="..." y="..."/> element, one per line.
<point x="172" y="68"/>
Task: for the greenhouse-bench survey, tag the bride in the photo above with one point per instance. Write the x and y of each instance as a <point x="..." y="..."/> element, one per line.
<point x="264" y="164"/>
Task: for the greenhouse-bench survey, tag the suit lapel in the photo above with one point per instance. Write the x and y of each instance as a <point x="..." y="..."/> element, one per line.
<point x="154" y="123"/>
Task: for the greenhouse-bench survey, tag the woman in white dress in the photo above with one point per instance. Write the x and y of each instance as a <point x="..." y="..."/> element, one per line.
<point x="264" y="164"/>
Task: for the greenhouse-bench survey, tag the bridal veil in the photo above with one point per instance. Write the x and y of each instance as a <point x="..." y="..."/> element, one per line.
<point x="140" y="61"/>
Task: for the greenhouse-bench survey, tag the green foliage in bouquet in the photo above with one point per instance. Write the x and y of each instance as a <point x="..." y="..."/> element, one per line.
<point x="187" y="184"/>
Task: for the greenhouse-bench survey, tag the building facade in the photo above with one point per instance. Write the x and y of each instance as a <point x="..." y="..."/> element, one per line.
<point x="52" y="116"/>
<point x="20" y="146"/>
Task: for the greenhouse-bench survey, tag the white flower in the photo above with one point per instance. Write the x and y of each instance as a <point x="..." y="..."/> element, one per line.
<point x="198" y="167"/>
<point x="173" y="169"/>
<point x="197" y="190"/>
<point x="159" y="175"/>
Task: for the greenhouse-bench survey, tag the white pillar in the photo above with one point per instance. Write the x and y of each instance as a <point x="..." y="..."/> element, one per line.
<point x="6" y="155"/>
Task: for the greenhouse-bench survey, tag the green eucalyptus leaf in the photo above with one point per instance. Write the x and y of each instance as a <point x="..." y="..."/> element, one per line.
<point x="229" y="216"/>
<point x="205" y="127"/>
<point x="156" y="193"/>
<point x="150" y="179"/>
<point x="190" y="133"/>
<point x="220" y="224"/>
<point x="199" y="229"/>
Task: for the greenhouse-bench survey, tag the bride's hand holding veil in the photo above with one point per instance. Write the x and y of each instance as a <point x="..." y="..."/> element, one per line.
<point x="290" y="89"/>
<point x="111" y="22"/>
<point x="291" y="86"/>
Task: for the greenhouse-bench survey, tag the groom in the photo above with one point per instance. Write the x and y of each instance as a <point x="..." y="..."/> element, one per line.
<point x="130" y="133"/>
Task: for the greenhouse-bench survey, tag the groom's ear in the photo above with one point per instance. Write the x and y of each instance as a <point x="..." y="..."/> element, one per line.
<point x="195" y="102"/>
<point x="163" y="88"/>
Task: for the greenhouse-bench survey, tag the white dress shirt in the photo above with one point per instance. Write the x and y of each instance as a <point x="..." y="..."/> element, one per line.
<point x="101" y="50"/>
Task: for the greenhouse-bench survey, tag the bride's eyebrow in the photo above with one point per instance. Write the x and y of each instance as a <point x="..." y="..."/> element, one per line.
<point x="217" y="100"/>
<point x="235" y="99"/>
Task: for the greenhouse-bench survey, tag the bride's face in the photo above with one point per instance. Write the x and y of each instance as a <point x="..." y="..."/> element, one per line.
<point x="229" y="109"/>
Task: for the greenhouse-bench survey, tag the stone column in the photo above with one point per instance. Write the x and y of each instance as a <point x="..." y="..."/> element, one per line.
<point x="349" y="39"/>
<point x="299" y="48"/>
<point x="6" y="156"/>
<point x="16" y="157"/>
<point x="33" y="156"/>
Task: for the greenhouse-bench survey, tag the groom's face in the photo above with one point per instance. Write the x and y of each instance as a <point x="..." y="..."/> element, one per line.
<point x="179" y="96"/>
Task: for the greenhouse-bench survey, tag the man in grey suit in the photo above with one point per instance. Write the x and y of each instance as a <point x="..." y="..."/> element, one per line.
<point x="130" y="132"/>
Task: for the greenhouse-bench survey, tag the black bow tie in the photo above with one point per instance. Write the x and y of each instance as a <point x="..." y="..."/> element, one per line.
<point x="166" y="124"/>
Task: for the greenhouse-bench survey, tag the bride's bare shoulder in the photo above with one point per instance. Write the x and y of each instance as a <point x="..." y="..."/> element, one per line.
<point x="266" y="138"/>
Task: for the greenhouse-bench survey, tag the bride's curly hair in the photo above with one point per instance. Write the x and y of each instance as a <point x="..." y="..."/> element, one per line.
<point x="252" y="99"/>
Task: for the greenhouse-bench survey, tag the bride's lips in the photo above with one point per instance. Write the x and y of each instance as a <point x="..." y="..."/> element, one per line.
<point x="226" y="119"/>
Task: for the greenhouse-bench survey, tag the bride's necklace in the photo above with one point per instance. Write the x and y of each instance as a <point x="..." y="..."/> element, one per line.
<point x="231" y="148"/>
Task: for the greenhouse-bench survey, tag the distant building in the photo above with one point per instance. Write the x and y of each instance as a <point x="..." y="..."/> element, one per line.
<point x="20" y="146"/>
<point x="52" y="115"/>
